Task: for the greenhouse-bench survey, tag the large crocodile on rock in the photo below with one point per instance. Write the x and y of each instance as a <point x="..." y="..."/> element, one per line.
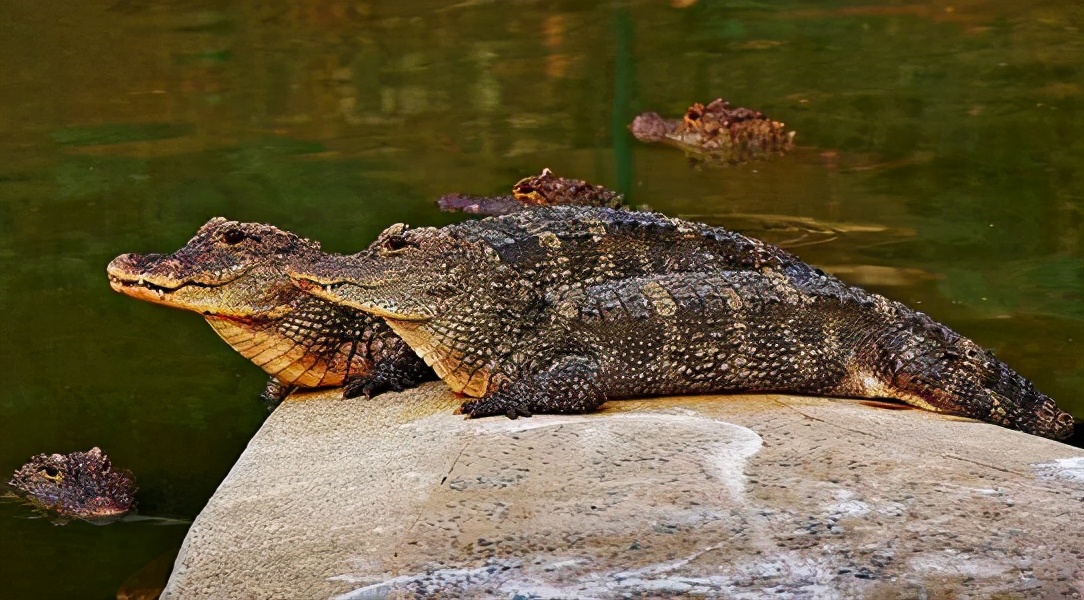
<point x="561" y="308"/>
<point x="233" y="274"/>
<point x="78" y="485"/>
<point x="716" y="132"/>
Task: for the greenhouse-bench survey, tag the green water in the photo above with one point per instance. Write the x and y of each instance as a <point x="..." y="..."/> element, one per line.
<point x="941" y="163"/>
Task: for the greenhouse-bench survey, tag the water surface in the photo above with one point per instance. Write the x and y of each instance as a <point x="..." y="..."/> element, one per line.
<point x="941" y="163"/>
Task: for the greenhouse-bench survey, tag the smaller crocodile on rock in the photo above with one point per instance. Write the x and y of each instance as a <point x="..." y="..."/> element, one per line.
<point x="79" y="485"/>
<point x="234" y="275"/>
<point x="717" y="132"/>
<point x="545" y="189"/>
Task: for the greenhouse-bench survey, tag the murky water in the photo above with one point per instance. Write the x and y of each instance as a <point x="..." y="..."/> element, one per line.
<point x="941" y="164"/>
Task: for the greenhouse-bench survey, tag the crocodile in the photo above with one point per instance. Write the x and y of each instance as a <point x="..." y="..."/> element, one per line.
<point x="716" y="132"/>
<point x="545" y="189"/>
<point x="233" y="273"/>
<point x="558" y="309"/>
<point x="78" y="485"/>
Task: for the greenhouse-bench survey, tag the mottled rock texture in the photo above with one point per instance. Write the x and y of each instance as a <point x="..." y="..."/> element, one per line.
<point x="707" y="496"/>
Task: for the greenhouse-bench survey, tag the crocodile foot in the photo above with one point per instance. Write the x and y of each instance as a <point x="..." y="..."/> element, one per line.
<point x="389" y="375"/>
<point x="274" y="392"/>
<point x="569" y="386"/>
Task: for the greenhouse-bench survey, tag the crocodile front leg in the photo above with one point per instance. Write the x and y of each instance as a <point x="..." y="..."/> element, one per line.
<point x="569" y="386"/>
<point x="274" y="392"/>
<point x="393" y="374"/>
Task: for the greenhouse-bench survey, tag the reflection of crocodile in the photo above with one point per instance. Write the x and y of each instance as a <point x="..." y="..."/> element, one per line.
<point x="232" y="274"/>
<point x="558" y="309"/>
<point x="545" y="189"/>
<point x="80" y="485"/>
<point x="716" y="132"/>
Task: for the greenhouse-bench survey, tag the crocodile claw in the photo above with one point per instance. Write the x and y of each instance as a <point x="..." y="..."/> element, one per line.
<point x="487" y="407"/>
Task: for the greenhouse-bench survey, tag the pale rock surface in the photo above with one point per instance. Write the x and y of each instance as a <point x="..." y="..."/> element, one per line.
<point x="723" y="496"/>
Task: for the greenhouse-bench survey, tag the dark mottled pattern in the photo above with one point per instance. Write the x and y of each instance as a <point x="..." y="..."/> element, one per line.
<point x="716" y="132"/>
<point x="544" y="189"/>
<point x="233" y="274"/>
<point x="79" y="485"/>
<point x="559" y="309"/>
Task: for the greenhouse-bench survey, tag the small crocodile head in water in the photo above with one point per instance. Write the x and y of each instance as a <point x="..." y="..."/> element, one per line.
<point x="79" y="485"/>
<point x="405" y="275"/>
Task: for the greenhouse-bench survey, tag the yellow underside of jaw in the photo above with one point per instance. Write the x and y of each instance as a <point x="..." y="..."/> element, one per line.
<point x="181" y="298"/>
<point x="445" y="360"/>
<point x="284" y="359"/>
<point x="327" y="291"/>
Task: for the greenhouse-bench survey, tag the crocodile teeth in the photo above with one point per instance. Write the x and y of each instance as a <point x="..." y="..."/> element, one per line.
<point x="140" y="282"/>
<point x="327" y="288"/>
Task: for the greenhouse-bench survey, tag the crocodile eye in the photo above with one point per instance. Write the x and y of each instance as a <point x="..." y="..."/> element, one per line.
<point x="397" y="242"/>
<point x="233" y="236"/>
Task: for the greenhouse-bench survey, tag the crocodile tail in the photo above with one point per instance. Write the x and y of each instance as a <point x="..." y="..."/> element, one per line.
<point x="930" y="366"/>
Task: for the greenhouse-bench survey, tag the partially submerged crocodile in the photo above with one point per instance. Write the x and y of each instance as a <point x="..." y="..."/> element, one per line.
<point x="544" y="189"/>
<point x="561" y="308"/>
<point x="233" y="274"/>
<point x="79" y="485"/>
<point x="717" y="132"/>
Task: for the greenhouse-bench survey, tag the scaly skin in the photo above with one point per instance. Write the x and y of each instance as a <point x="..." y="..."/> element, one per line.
<point x="79" y="485"/>
<point x="545" y="189"/>
<point x="233" y="274"/>
<point x="716" y="132"/>
<point x="561" y="308"/>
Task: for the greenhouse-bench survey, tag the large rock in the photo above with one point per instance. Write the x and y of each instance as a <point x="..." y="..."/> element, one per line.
<point x="728" y="496"/>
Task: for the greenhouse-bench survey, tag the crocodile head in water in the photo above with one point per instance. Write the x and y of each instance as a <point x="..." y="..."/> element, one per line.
<point x="79" y="485"/>
<point x="544" y="189"/>
<point x="233" y="274"/>
<point x="717" y="132"/>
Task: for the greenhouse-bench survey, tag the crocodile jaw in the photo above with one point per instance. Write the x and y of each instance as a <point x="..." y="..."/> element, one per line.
<point x="193" y="297"/>
<point x="235" y="293"/>
<point x="142" y="290"/>
<point x="366" y="298"/>
<point x="143" y="277"/>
